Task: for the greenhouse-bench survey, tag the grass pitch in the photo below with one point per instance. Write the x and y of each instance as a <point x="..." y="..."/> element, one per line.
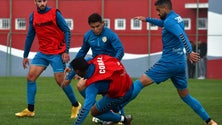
<point x="155" y="105"/>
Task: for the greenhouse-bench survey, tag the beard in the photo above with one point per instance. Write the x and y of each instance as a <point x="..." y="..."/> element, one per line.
<point x="163" y="17"/>
<point x="41" y="8"/>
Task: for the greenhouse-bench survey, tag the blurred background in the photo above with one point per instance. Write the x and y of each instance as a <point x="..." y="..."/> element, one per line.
<point x="141" y="41"/>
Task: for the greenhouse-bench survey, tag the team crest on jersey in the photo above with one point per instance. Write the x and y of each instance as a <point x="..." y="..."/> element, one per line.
<point x="104" y="39"/>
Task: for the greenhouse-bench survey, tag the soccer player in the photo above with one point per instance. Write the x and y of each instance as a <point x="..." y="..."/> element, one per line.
<point x="54" y="40"/>
<point x="101" y="40"/>
<point x="172" y="64"/>
<point x="107" y="76"/>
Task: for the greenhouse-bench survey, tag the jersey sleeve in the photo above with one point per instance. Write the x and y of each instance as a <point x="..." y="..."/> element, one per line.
<point x="84" y="48"/>
<point x="118" y="47"/>
<point x="177" y="29"/>
<point x="155" y="21"/>
<point x="29" y="38"/>
<point x="64" y="27"/>
<point x="90" y="98"/>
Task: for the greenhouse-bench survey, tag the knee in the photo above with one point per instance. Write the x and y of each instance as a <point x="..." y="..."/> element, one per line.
<point x="183" y="93"/>
<point x="60" y="82"/>
<point x="31" y="77"/>
<point x="94" y="111"/>
<point x="65" y="83"/>
<point x="81" y="85"/>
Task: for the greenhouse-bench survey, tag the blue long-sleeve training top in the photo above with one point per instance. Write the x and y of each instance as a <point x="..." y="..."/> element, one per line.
<point x="106" y="43"/>
<point x="174" y="38"/>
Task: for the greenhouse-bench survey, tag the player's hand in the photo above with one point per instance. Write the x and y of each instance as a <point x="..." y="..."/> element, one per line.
<point x="25" y="63"/>
<point x="65" y="80"/>
<point x="140" y="18"/>
<point x="194" y="57"/>
<point x="65" y="57"/>
<point x="81" y="85"/>
<point x="67" y="70"/>
<point x="77" y="77"/>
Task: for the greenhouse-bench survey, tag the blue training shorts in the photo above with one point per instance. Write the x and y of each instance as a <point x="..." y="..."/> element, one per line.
<point x="162" y="71"/>
<point x="44" y="60"/>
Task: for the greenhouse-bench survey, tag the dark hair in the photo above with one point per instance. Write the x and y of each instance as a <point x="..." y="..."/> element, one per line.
<point x="95" y="17"/>
<point x="79" y="64"/>
<point x="164" y="3"/>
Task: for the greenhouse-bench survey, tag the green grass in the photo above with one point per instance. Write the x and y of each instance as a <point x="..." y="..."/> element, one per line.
<point x="156" y="104"/>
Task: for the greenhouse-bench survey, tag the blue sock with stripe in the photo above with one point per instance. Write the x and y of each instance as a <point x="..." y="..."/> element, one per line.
<point x="70" y="94"/>
<point x="110" y="116"/>
<point x="196" y="106"/>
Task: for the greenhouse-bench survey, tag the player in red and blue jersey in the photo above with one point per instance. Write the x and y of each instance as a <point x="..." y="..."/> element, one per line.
<point x="172" y="64"/>
<point x="54" y="39"/>
<point x="107" y="76"/>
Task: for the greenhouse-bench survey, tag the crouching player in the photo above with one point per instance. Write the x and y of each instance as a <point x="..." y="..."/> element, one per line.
<point x="104" y="75"/>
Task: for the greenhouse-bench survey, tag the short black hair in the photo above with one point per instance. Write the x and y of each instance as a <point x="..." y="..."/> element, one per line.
<point x="79" y="64"/>
<point x="167" y="3"/>
<point x="95" y="17"/>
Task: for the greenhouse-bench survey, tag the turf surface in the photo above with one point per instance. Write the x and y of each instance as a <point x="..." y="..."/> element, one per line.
<point x="155" y="105"/>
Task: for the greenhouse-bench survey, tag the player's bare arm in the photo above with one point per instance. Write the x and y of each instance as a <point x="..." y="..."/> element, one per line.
<point x="81" y="85"/>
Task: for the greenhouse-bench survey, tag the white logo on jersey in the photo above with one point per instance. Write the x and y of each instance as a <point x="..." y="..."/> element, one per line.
<point x="178" y="19"/>
<point x="102" y="68"/>
<point x="104" y="39"/>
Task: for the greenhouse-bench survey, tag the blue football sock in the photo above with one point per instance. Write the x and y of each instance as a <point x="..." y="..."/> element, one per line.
<point x="70" y="94"/>
<point x="83" y="93"/>
<point x="138" y="86"/>
<point x="110" y="116"/>
<point x="196" y="106"/>
<point x="122" y="112"/>
<point x="31" y="91"/>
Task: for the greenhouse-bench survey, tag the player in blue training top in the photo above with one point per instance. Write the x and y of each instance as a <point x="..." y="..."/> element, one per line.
<point x="172" y="64"/>
<point x="54" y="39"/>
<point x="101" y="40"/>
